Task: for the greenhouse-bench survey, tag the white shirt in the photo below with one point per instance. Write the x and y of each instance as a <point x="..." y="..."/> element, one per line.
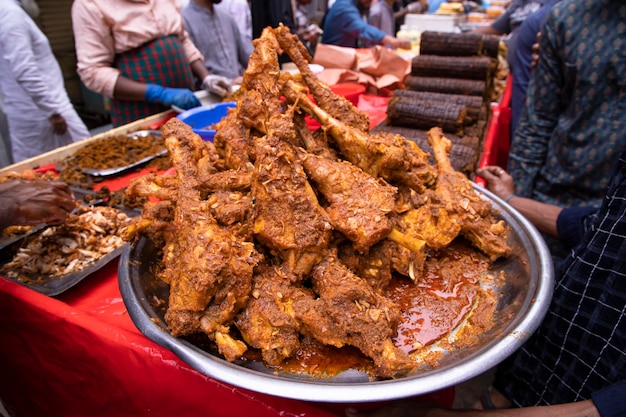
<point x="240" y="11"/>
<point x="32" y="86"/>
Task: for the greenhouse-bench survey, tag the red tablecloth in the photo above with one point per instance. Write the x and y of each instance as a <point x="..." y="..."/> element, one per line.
<point x="79" y="354"/>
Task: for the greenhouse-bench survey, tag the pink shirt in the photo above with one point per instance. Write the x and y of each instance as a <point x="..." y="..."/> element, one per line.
<point x="104" y="28"/>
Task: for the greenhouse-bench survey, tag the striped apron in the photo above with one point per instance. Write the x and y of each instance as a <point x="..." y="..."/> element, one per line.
<point x="161" y="61"/>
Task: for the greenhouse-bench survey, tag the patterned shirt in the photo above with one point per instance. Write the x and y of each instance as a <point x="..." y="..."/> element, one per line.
<point x="579" y="350"/>
<point x="573" y="124"/>
<point x="105" y="28"/>
<point x="519" y="54"/>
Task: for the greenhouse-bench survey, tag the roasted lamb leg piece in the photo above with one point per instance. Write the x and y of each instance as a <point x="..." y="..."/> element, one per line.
<point x="337" y="106"/>
<point x="385" y="155"/>
<point x="287" y="216"/>
<point x="358" y="203"/>
<point x="236" y="132"/>
<point x="208" y="268"/>
<point x="268" y="322"/>
<point x="349" y="312"/>
<point x="457" y="197"/>
<point x="261" y="82"/>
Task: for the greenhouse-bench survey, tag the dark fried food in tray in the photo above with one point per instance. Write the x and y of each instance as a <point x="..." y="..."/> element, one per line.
<point x="116" y="154"/>
<point x="55" y="258"/>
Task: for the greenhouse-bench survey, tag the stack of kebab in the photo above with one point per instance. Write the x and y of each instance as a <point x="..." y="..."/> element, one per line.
<point x="274" y="234"/>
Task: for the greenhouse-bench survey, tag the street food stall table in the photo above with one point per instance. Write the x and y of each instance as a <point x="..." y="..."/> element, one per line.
<point x="80" y="354"/>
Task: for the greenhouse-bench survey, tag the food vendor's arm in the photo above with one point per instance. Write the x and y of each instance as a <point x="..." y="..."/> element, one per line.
<point x="566" y="224"/>
<point x="396" y="42"/>
<point x="486" y="30"/>
<point x="29" y="203"/>
<point x="543" y="216"/>
<point x="529" y="146"/>
<point x="353" y="23"/>
<point x="501" y="26"/>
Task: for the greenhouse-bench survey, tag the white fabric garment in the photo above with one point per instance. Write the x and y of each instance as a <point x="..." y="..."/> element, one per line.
<point x="6" y="156"/>
<point x="32" y="87"/>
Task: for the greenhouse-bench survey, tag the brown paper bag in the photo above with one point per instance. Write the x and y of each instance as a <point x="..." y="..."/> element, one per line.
<point x="331" y="56"/>
<point x="378" y="68"/>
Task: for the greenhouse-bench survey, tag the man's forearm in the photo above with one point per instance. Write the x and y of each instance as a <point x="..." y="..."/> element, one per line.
<point x="543" y="216"/>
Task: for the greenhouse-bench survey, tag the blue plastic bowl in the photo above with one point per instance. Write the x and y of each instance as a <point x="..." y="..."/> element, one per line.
<point x="202" y="118"/>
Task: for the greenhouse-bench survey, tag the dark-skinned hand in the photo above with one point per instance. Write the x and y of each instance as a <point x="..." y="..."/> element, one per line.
<point x="29" y="203"/>
<point x="498" y="180"/>
<point x="59" y="125"/>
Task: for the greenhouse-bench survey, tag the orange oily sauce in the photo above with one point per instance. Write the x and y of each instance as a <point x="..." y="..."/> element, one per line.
<point x="448" y="307"/>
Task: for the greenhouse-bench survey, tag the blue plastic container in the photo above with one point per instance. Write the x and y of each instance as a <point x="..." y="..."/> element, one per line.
<point x="202" y="118"/>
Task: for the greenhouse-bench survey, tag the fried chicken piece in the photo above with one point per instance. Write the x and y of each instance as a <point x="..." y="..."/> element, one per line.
<point x="314" y="143"/>
<point x="152" y="185"/>
<point x="385" y="155"/>
<point x="287" y="215"/>
<point x="455" y="193"/>
<point x="337" y="106"/>
<point x="350" y="312"/>
<point x="359" y="203"/>
<point x="375" y="266"/>
<point x="208" y="268"/>
<point x="232" y="141"/>
<point x="268" y="322"/>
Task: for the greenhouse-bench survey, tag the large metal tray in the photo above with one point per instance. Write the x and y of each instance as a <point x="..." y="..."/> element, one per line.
<point x="109" y="172"/>
<point x="522" y="304"/>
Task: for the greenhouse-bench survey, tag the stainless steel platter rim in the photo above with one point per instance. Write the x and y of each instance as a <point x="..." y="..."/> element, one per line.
<point x="321" y="390"/>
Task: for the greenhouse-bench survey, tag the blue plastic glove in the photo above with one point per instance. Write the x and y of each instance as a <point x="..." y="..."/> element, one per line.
<point x="180" y="97"/>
